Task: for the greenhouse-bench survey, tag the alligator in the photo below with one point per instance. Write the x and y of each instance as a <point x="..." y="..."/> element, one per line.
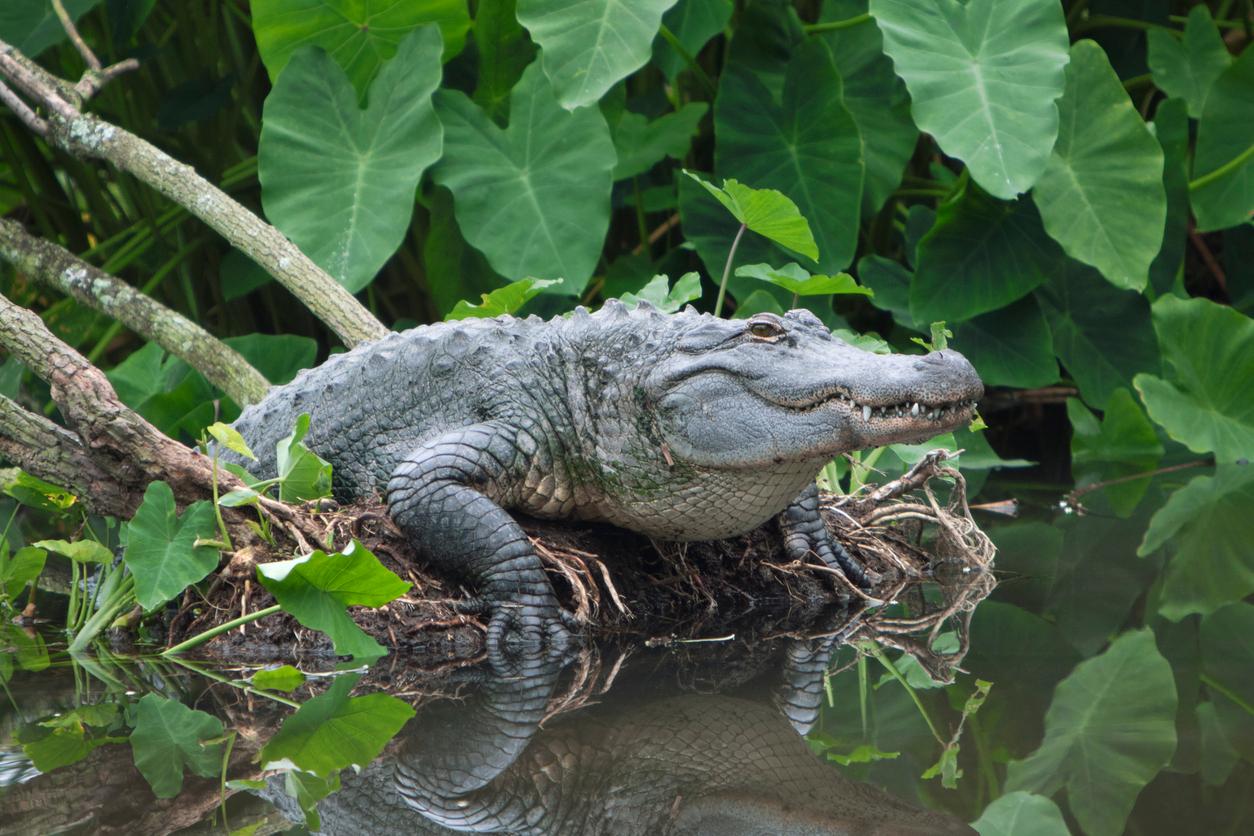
<point x="679" y="426"/>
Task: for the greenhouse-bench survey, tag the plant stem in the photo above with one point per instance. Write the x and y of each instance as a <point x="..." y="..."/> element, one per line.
<point x="1210" y="682"/>
<point x="731" y="256"/>
<point x="688" y="58"/>
<point x="1224" y="170"/>
<point x="878" y="653"/>
<point x="217" y="509"/>
<point x="201" y="638"/>
<point x="122" y="597"/>
<point x="1114" y="22"/>
<point x="836" y="25"/>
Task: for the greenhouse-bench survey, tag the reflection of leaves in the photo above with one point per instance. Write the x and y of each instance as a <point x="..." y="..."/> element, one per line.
<point x="168" y="737"/>
<point x="1021" y="814"/>
<point x="160" y="550"/>
<point x="317" y="588"/>
<point x="283" y="678"/>
<point x="1208" y="352"/>
<point x="1122" y="444"/>
<point x="333" y="731"/>
<point x="1109" y="730"/>
<point x="1209" y="525"/>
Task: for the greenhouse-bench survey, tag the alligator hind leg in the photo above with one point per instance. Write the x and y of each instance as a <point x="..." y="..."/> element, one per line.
<point x="805" y="533"/>
<point x="446" y="497"/>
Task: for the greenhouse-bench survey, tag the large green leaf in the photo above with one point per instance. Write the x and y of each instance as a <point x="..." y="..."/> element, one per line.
<point x="1101" y="195"/>
<point x="21" y="568"/>
<point x="333" y="731"/>
<point x="1103" y="335"/>
<point x="340" y="181"/>
<point x="1222" y="191"/>
<point x="798" y="281"/>
<point x="983" y="77"/>
<point x="641" y="143"/>
<point x="1205" y="401"/>
<point x="317" y="588"/>
<point x="169" y="736"/>
<point x="981" y="255"/>
<point x="359" y="34"/>
<point x="32" y="26"/>
<point x="1109" y="730"/>
<point x="876" y="98"/>
<point x="709" y="227"/>
<point x="693" y="23"/>
<point x="535" y="197"/>
<point x="806" y="146"/>
<point x="1187" y="67"/>
<point x="1021" y="814"/>
<point x="1208" y="526"/>
<point x="890" y="282"/>
<point x="588" y="45"/>
<point x="1010" y="346"/>
<point x="503" y="300"/>
<point x="160" y="546"/>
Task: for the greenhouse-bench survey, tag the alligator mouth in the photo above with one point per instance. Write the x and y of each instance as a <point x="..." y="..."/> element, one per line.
<point x="944" y="412"/>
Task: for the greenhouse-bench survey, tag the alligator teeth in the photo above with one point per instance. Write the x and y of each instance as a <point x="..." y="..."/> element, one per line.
<point x="914" y="409"/>
<point x="866" y="413"/>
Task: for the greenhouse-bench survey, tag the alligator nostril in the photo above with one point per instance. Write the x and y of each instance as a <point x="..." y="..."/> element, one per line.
<point x="936" y="358"/>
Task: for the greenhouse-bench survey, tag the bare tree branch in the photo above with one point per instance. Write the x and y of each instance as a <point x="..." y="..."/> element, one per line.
<point x="87" y="136"/>
<point x="57" y="455"/>
<point x="23" y="112"/>
<point x="67" y="23"/>
<point x="51" y="265"/>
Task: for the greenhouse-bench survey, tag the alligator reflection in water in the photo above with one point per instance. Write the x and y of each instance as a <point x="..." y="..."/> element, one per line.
<point x="508" y="760"/>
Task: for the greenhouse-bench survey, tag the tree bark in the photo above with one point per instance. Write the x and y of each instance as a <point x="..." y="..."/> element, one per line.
<point x="51" y="265"/>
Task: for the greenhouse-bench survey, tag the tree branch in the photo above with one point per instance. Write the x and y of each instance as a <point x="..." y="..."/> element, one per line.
<point x="23" y="112"/>
<point x="67" y="23"/>
<point x="57" y="455"/>
<point x="84" y="135"/>
<point x="53" y="266"/>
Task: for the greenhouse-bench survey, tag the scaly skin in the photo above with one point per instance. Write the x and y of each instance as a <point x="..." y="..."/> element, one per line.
<point x="682" y="427"/>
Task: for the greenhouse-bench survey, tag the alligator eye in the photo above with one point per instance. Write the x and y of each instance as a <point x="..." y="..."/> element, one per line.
<point x="763" y="328"/>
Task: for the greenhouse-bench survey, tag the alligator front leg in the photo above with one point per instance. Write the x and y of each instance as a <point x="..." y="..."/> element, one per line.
<point x="446" y="497"/>
<point x="805" y="533"/>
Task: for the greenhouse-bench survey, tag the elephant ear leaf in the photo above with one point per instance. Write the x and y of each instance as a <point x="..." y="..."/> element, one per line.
<point x="338" y="180"/>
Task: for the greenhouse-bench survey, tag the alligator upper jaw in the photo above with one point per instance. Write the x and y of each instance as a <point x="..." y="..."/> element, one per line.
<point x="906" y="421"/>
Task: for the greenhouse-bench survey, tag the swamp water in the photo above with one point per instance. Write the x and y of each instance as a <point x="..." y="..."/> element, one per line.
<point x="1104" y="686"/>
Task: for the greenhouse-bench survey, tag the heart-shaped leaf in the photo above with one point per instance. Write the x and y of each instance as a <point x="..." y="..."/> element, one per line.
<point x="983" y="77"/>
<point x="1101" y="195"/>
<point x="1021" y="814"/>
<point x="535" y="197"/>
<point x="980" y="255"/>
<point x="588" y="45"/>
<point x="1186" y="67"/>
<point x="80" y="551"/>
<point x="359" y="34"/>
<point x="317" y="588"/>
<point x="641" y="144"/>
<point x="160" y="546"/>
<point x="662" y="296"/>
<point x="806" y="146"/>
<point x="340" y="181"/>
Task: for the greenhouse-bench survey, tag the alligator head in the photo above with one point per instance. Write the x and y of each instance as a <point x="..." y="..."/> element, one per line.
<point x="774" y="389"/>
